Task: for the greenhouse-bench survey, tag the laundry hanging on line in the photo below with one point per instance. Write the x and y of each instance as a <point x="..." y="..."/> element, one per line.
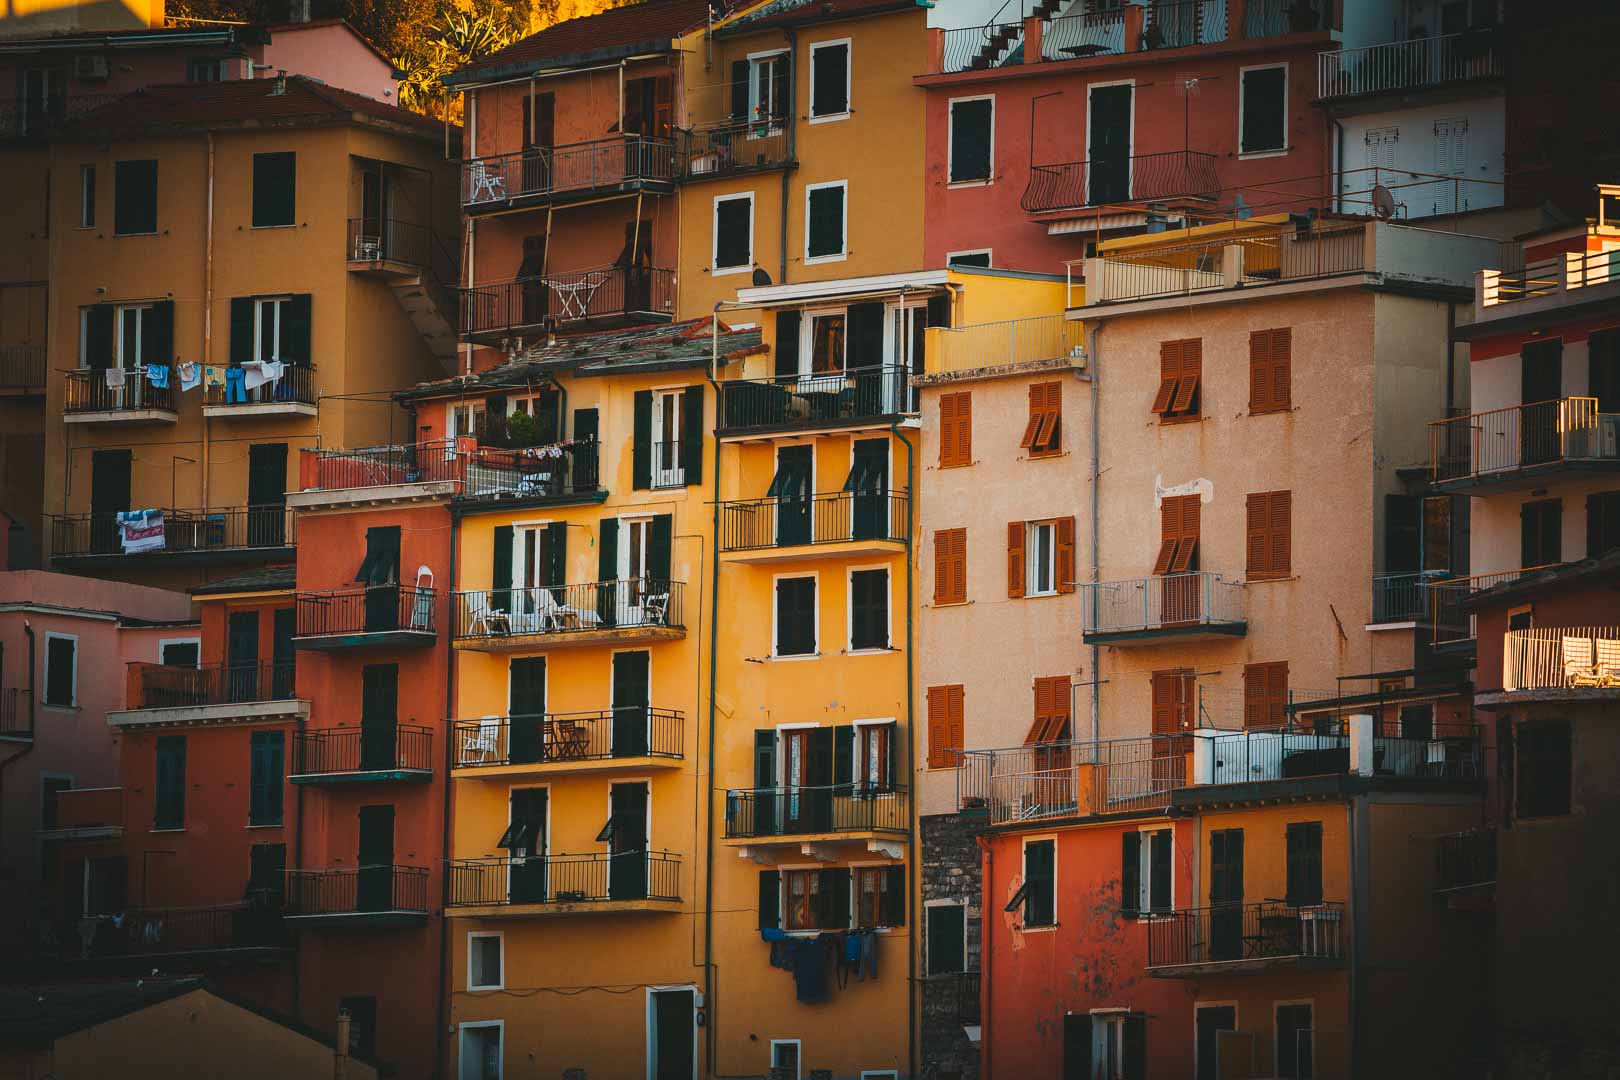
<point x="141" y="530"/>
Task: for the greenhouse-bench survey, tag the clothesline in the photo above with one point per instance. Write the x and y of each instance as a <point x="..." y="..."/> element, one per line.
<point x="237" y="379"/>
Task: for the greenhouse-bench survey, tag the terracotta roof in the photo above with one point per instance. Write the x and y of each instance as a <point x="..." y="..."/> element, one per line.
<point x="652" y="24"/>
<point x="188" y="107"/>
<point x="261" y="579"/>
<point x="780" y="13"/>
<point x="664" y="347"/>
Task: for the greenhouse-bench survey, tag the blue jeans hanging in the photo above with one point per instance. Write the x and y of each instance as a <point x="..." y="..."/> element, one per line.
<point x="235" y="391"/>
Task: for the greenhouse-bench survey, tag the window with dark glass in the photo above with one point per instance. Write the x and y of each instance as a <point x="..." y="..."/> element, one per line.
<point x="1542" y="769"/>
<point x="170" y="789"/>
<point x="1264" y="110"/>
<point x="275" y="189"/>
<point x="795" y="616"/>
<point x="1541" y="526"/>
<point x="869" y="609"/>
<point x="135" y="192"/>
<point x="971" y="139"/>
<point x="1304" y="863"/>
<point x="1040" y="883"/>
<point x="267" y="765"/>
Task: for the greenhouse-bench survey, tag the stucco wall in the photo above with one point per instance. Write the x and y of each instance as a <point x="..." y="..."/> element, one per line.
<point x="1479" y="183"/>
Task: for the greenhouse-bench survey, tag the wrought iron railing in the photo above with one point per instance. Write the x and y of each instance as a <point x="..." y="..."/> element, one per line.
<point x="170" y="686"/>
<point x="1402" y="597"/>
<point x="552" y="471"/>
<point x="1180" y="24"/>
<point x="549" y="170"/>
<point x="1166" y="602"/>
<point x="563" y="609"/>
<point x="22" y="366"/>
<point x="367" y="748"/>
<point x="579" y="296"/>
<point x="1006" y="343"/>
<point x="814" y="400"/>
<point x="1072" y="779"/>
<point x="383" y="466"/>
<point x="1522" y="437"/>
<point x="827" y="808"/>
<point x="35" y="117"/>
<point x="1406" y="65"/>
<point x="1447" y="620"/>
<point x="1095" y="33"/>
<point x="828" y="518"/>
<point x="185" y="532"/>
<point x="1319" y="744"/>
<point x="1231" y="933"/>
<point x="734" y="146"/>
<point x="355" y="890"/>
<point x="295" y="386"/>
<point x="979" y="48"/>
<point x="628" y="731"/>
<point x="1269" y="18"/>
<point x="594" y="877"/>
<point x="1467" y="859"/>
<point x="1173" y="174"/>
<point x="367" y="609"/>
<point x="252" y="924"/>
<point x="1560" y="657"/>
<point x="390" y="240"/>
<point x="89" y="391"/>
<point x="16" y="713"/>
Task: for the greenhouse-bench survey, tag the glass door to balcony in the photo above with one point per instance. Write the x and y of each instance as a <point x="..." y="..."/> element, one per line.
<point x="526" y="844"/>
<point x="374" y="884"/>
<point x="791" y="489"/>
<point x="630" y="701"/>
<point x="627" y="842"/>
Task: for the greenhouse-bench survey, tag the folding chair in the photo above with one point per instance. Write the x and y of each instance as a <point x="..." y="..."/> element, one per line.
<point x="483" y="743"/>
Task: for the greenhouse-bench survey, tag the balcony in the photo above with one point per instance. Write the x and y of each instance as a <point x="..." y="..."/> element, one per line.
<point x="37" y="117"/>
<point x="1558" y="664"/>
<point x="22" y="368"/>
<point x="378" y="616"/>
<point x="368" y="754"/>
<point x="735" y="147"/>
<point x="1076" y="185"/>
<point x="1238" y="938"/>
<point x="1232" y="262"/>
<point x="1450" y="624"/>
<point x="542" y="176"/>
<point x="293" y="394"/>
<point x="831" y="525"/>
<point x="982" y="350"/>
<point x="637" y="609"/>
<point x="805" y="817"/>
<point x="604" y="298"/>
<point x="597" y="883"/>
<point x="1070" y="780"/>
<point x="389" y="247"/>
<point x="85" y="814"/>
<point x="1467" y="860"/>
<point x="1072" y="37"/>
<point x="253" y="930"/>
<point x="91" y="399"/>
<point x="461" y="468"/>
<point x="1399" y="67"/>
<point x="16" y="716"/>
<point x="1577" y="277"/>
<point x="1522" y="446"/>
<point x="1403" y="598"/>
<point x="218" y="535"/>
<point x="1327" y="743"/>
<point x="856" y="397"/>
<point x="161" y="695"/>
<point x="1197" y="606"/>
<point x="630" y="737"/>
<point x="380" y="895"/>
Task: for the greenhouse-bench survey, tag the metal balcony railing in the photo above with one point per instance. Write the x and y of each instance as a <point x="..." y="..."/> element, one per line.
<point x="828" y="808"/>
<point x="1167" y="602"/>
<point x="596" y="877"/>
<point x="295" y="387"/>
<point x="168" y="686"/>
<point x="735" y="146"/>
<point x="31" y="117"/>
<point x="829" y="518"/>
<point x="1074" y="184"/>
<point x="390" y="240"/>
<point x="357" y="890"/>
<point x="814" y="400"/>
<point x="1565" y="274"/>
<point x="1502" y="441"/>
<point x="1007" y="343"/>
<point x="1269" y="18"/>
<point x="1561" y="657"/>
<point x="1255" y="259"/>
<point x="88" y="392"/>
<point x="1231" y="933"/>
<point x="1072" y="779"/>
<point x="563" y="609"/>
<point x="603" y="294"/>
<point x="185" y="532"/>
<point x="552" y="471"/>
<point x="1447" y="620"/>
<point x="367" y="609"/>
<point x="1402" y="597"/>
<point x="22" y="366"/>
<point x="1180" y="24"/>
<point x="1319" y="745"/>
<point x="384" y="466"/>
<point x="543" y="171"/>
<point x="1096" y="33"/>
<point x="550" y="738"/>
<point x="252" y="924"/>
<point x="979" y="48"/>
<point x="1467" y="859"/>
<point x="16" y="713"/>
<point x="367" y="748"/>
<point x="1408" y="65"/>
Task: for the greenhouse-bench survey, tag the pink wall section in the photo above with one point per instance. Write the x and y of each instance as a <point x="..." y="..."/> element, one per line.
<point x="332" y="53"/>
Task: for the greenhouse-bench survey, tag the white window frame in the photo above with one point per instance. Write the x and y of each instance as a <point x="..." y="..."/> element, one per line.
<point x="1276" y="1031"/>
<point x="1246" y="155"/>
<point x="849" y="80"/>
<point x="843" y="247"/>
<point x="715" y="269"/>
<point x="1032" y="565"/>
<point x="45" y="670"/>
<point x="849" y="611"/>
<point x="988" y="253"/>
<point x="1023" y="862"/>
<point x="1144" y="871"/>
<point x="453" y="414"/>
<point x="652" y="1024"/>
<point x="1113" y="1067"/>
<point x="1130" y="147"/>
<point x="807" y="340"/>
<point x="474" y="935"/>
<point x="520" y="529"/>
<point x="815" y="576"/>
<point x="271" y="309"/>
<point x="164" y="643"/>
<point x="860" y="765"/>
<point x="664" y="399"/>
<point x="928" y="960"/>
<point x="87" y="196"/>
<point x="757" y="63"/>
<point x="798" y="1055"/>
<point x="950" y="142"/>
<point x="500" y="1044"/>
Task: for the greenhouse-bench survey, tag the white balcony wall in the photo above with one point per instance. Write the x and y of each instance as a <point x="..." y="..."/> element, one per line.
<point x="1425" y="140"/>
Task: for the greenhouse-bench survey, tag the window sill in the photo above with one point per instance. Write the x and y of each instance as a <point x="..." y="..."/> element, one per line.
<point x="1290" y="407"/>
<point x="957" y="464"/>
<point x="1036" y="595"/>
<point x="831" y="117"/>
<point x="872" y="650"/>
<point x="171" y="829"/>
<point x="817" y="260"/>
<point x="1165" y="421"/>
<point x="1044" y="929"/>
<point x="729" y="270"/>
<point x="121" y="235"/>
<point x="271" y="825"/>
<point x="261" y="228"/>
<point x="953" y="184"/>
<point x="790" y="658"/>
<point x="1254" y="155"/>
<point x="1269" y="579"/>
<point x="950" y="603"/>
<point x="485" y="989"/>
<point x="59" y="708"/>
<point x="1045" y="455"/>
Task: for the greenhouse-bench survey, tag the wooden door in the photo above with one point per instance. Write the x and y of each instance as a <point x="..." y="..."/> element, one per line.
<point x="374" y="887"/>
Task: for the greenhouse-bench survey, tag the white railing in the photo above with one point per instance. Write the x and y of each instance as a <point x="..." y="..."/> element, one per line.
<point x="1167" y="601"/>
<point x="1401" y="65"/>
<point x="1004" y="344"/>
<point x="1558" y="657"/>
<point x="1573" y="270"/>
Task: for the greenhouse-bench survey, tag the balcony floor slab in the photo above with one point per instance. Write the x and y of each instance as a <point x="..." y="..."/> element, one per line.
<point x="375" y="639"/>
<point x="554" y="768"/>
<point x="571" y="907"/>
<point x="259" y="411"/>
<point x="843" y="549"/>
<point x="345" y="920"/>
<point x="363" y="776"/>
<point x="1153" y="635"/>
<point x="240" y="712"/>
<point x="113" y="417"/>
<point x="565" y="639"/>
<point x="1246" y="967"/>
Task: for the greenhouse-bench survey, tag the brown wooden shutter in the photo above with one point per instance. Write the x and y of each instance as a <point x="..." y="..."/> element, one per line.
<point x="1032" y="428"/>
<point x="955" y="429"/>
<point x="964" y="428"/>
<point x="1065" y="554"/>
<point x="950" y="566"/>
<point x="1268" y="542"/>
<point x="1051" y="723"/>
<point x="1169" y="375"/>
<point x="1046" y="410"/>
<point x="944" y="726"/>
<point x="1265" y="694"/>
<point x="1282" y="368"/>
<point x="1192" y="367"/>
<point x="1260" y="371"/>
<point x="1015" y="558"/>
<point x="1172" y="702"/>
<point x="1178" y="531"/>
<point x="1282" y="512"/>
<point x="1255" y="545"/>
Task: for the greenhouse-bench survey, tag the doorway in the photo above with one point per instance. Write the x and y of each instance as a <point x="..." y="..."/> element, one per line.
<point x="1541" y="382"/>
<point x="374" y="885"/>
<point x="627" y="842"/>
<point x="242" y="656"/>
<point x="631" y="694"/>
<point x="869" y="484"/>
<point x="526" y="711"/>
<point x="672" y="1016"/>
<point x="379" y="717"/>
<point x="1226" y="894"/>
<point x="526" y="843"/>
<point x="266" y="496"/>
<point x="791" y="489"/>
<point x="1108" y="176"/>
<point x="1211" y="1021"/>
<point x="109" y="497"/>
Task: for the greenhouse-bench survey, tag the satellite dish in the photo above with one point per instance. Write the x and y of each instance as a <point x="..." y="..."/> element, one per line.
<point x="761" y="278"/>
<point x="1383" y="202"/>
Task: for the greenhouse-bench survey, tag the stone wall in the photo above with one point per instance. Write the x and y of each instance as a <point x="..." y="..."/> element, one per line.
<point x="950" y="871"/>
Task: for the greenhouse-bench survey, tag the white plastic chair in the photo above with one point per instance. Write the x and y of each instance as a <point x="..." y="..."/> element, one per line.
<point x="1608" y="661"/>
<point x="422" y="609"/>
<point x="1578" y="663"/>
<point x="478" y="746"/>
<point x="486" y="183"/>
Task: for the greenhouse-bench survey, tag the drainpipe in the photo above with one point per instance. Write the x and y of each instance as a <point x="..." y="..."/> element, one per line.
<point x="1451" y="355"/>
<point x="1356" y="924"/>
<point x="987" y="865"/>
<point x="1094" y="357"/>
<point x="208" y="308"/>
<point x="445" y="965"/>
<point x="911" y="695"/>
<point x="711" y="1039"/>
<point x="792" y="140"/>
<point x="298" y="863"/>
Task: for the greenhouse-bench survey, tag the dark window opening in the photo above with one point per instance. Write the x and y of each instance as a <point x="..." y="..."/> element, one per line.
<point x="1543" y="769"/>
<point x="135" y="192"/>
<point x="1265" y="110"/>
<point x="971" y="140"/>
<point x="275" y="189"/>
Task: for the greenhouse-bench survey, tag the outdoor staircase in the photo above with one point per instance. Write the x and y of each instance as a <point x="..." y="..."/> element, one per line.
<point x="431" y="308"/>
<point x="1002" y="41"/>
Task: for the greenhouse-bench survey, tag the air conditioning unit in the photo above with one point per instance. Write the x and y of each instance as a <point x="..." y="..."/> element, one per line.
<point x="89" y="67"/>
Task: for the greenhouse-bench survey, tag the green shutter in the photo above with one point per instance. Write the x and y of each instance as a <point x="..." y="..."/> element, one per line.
<point x="826" y="224"/>
<point x="587" y="422"/>
<point x="1160" y="854"/>
<point x="556" y="554"/>
<point x="170" y="809"/>
<point x="838" y="898"/>
<point x="893" y="897"/>
<point x="739" y="91"/>
<point x="135" y="190"/>
<point x="865" y="349"/>
<point x="500" y="597"/>
<point x="1135" y="1063"/>
<point x="98" y="337"/>
<point x="607" y="569"/>
<point x="241" y="329"/>
<point x="295" y="330"/>
<point x="275" y="189"/>
<point x="1130" y="872"/>
<point x="787" y="343"/>
<point x="844" y="754"/>
<point x="267" y="757"/>
<point x="692" y="433"/>
<point x="641" y="444"/>
<point x="157" y="333"/>
<point x="770" y="899"/>
<point x="660" y="537"/>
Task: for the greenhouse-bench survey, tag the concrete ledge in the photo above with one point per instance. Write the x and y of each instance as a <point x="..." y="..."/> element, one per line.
<point x="382" y="495"/>
<point x="245" y="712"/>
<point x="551" y="768"/>
<point x="1552" y="695"/>
<point x="123" y="416"/>
<point x="572" y="907"/>
<point x="259" y="410"/>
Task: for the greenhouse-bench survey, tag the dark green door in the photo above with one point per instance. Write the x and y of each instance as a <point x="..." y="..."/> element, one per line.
<point x="380" y="574"/>
<point x="379" y="716"/>
<point x="242" y="656"/>
<point x="1110" y="164"/>
<point x="868" y="487"/>
<point x="630" y="702"/>
<point x="766" y="795"/>
<point x="374" y="887"/>
<point x="526" y="705"/>
<point x="1212" y="1020"/>
<point x="527" y="840"/>
<point x="791" y="489"/>
<point x="109" y="496"/>
<point x="1541" y="381"/>
<point x="267" y="496"/>
<point x="627" y="843"/>
<point x="1226" y="894"/>
<point x="673" y="1017"/>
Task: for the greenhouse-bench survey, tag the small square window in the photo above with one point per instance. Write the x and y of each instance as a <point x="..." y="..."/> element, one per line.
<point x="484" y="962"/>
<point x="1543" y="769"/>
